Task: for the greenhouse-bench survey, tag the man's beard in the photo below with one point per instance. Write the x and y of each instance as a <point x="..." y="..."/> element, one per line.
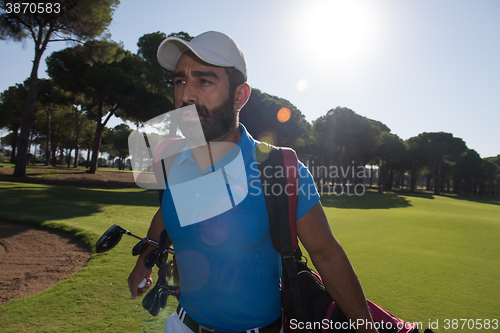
<point x="215" y="123"/>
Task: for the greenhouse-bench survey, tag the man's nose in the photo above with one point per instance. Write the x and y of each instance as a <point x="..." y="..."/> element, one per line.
<point x="189" y="95"/>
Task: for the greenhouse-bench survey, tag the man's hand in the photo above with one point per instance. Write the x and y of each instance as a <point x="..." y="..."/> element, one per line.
<point x="136" y="277"/>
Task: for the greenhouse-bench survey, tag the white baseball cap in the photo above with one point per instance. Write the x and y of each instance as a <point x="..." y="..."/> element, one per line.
<point x="212" y="47"/>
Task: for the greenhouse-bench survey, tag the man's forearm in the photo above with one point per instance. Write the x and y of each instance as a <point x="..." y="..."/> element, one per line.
<point x="157" y="227"/>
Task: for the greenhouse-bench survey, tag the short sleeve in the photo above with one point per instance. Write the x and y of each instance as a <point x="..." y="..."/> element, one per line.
<point x="308" y="193"/>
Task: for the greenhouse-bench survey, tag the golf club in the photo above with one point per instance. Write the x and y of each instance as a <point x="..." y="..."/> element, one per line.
<point x="151" y="298"/>
<point x="140" y="247"/>
<point x="164" y="293"/>
<point x="114" y="234"/>
<point x="163" y="298"/>
<point x="152" y="258"/>
<point x="157" y="297"/>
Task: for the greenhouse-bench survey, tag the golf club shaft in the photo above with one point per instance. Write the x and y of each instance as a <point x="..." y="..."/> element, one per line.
<point x="151" y="242"/>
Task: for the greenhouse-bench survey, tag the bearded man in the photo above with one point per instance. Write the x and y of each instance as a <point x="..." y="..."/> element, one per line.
<point x="228" y="269"/>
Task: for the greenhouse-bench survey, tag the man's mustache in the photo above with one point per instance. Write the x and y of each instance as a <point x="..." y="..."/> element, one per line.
<point x="201" y="109"/>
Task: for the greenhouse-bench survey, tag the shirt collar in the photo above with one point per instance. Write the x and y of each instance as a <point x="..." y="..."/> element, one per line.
<point x="184" y="155"/>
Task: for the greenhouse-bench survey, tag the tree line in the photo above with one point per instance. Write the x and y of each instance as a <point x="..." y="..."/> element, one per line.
<point x="89" y="83"/>
<point x="74" y="21"/>
<point x="343" y="139"/>
<point x="97" y="79"/>
<point x="340" y="138"/>
<point x="445" y="161"/>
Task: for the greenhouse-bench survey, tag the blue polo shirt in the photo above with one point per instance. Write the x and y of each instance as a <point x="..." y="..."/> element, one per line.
<point x="229" y="271"/>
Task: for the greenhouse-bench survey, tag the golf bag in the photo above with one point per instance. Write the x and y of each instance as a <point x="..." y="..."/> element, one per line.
<point x="305" y="299"/>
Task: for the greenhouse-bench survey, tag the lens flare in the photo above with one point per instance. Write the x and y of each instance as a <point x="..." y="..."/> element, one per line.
<point x="214" y="232"/>
<point x="284" y="115"/>
<point x="302" y="85"/>
<point x="268" y="137"/>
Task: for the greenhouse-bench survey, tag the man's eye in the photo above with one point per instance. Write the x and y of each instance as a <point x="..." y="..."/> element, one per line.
<point x="179" y="82"/>
<point x="203" y="81"/>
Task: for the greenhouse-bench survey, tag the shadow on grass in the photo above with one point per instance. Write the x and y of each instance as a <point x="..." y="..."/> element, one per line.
<point x="418" y="195"/>
<point x="52" y="179"/>
<point x="486" y="199"/>
<point x="48" y="202"/>
<point x="56" y="173"/>
<point x="369" y="200"/>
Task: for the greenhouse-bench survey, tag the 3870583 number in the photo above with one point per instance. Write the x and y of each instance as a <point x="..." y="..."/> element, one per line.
<point x="455" y="324"/>
<point x="32" y="8"/>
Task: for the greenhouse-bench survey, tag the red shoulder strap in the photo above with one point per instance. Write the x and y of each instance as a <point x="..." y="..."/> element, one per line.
<point x="292" y="181"/>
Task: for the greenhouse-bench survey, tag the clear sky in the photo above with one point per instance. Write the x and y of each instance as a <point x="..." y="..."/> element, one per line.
<point x="415" y="65"/>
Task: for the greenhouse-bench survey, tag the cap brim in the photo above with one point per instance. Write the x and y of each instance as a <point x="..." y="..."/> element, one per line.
<point x="171" y="49"/>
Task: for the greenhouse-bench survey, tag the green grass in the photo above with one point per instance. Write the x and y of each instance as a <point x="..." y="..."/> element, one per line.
<point x="422" y="257"/>
<point x="96" y="298"/>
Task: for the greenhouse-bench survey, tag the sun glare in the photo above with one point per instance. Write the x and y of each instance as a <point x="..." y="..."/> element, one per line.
<point x="339" y="31"/>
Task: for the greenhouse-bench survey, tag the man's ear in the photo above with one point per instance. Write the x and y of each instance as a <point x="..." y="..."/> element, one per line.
<point x="241" y="95"/>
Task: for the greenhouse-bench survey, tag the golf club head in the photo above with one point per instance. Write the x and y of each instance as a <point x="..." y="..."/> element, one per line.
<point x="151" y="299"/>
<point x="163" y="298"/>
<point x="109" y="239"/>
<point x="152" y="258"/>
<point x="155" y="309"/>
<point x="160" y="301"/>
<point x="140" y="247"/>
